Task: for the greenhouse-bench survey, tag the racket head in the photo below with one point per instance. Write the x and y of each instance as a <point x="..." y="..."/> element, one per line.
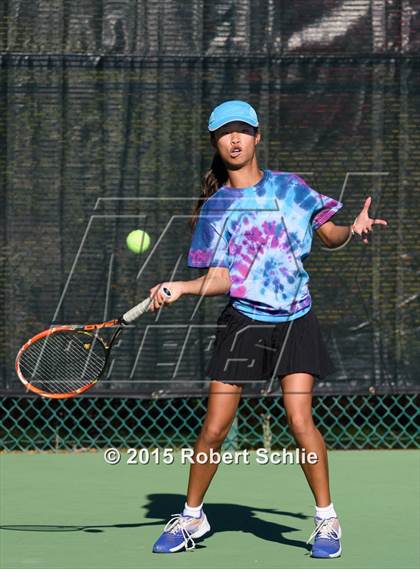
<point x="61" y="362"/>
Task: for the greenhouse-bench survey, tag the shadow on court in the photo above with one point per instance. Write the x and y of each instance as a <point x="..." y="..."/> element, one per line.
<point x="222" y="517"/>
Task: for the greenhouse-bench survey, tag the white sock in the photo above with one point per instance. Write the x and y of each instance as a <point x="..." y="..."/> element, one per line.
<point x="325" y="513"/>
<point x="194" y="512"/>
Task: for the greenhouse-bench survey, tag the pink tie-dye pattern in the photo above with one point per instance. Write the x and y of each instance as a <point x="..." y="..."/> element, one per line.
<point x="243" y="269"/>
<point x="325" y="214"/>
<point x="239" y="292"/>
<point x="200" y="256"/>
<point x="253" y="234"/>
<point x="269" y="227"/>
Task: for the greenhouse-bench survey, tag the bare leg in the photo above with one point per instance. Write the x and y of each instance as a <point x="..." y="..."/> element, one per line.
<point x="221" y="410"/>
<point x="297" y="395"/>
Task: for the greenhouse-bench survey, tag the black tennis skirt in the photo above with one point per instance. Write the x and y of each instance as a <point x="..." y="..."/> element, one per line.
<point x="248" y="350"/>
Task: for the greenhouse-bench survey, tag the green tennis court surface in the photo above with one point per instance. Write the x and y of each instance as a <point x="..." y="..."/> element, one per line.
<point x="73" y="511"/>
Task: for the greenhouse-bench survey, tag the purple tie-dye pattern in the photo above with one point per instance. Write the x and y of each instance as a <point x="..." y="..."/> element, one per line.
<point x="325" y="214"/>
<point x="262" y="234"/>
<point x="200" y="257"/>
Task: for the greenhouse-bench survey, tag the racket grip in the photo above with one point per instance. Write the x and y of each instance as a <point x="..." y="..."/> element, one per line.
<point x="141" y="308"/>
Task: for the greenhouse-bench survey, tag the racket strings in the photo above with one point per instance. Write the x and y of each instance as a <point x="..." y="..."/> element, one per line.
<point x="63" y="361"/>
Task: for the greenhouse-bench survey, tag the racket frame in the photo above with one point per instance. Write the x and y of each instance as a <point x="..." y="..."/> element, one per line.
<point x="88" y="329"/>
<point x="122" y="322"/>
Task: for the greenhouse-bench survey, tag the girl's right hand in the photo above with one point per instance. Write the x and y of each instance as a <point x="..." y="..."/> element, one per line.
<point x="159" y="298"/>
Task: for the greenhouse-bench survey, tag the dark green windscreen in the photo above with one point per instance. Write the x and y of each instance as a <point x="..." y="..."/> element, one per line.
<point x="103" y="129"/>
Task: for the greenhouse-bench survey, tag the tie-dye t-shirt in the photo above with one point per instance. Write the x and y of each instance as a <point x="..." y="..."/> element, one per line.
<point x="262" y="234"/>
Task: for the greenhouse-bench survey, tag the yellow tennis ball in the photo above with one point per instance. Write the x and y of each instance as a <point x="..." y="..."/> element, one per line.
<point x="138" y="241"/>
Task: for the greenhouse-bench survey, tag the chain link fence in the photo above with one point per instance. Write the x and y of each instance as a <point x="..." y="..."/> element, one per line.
<point x="355" y="421"/>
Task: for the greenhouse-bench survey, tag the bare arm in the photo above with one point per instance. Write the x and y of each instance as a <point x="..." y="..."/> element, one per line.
<point x="215" y="281"/>
<point x="333" y="235"/>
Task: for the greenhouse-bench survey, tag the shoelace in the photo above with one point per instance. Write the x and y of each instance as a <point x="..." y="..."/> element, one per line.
<point x="177" y="523"/>
<point x="325" y="529"/>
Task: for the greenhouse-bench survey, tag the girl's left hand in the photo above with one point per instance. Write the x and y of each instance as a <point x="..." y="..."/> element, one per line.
<point x="363" y="223"/>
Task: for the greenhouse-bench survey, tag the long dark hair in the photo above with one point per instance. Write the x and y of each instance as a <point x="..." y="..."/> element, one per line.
<point x="212" y="180"/>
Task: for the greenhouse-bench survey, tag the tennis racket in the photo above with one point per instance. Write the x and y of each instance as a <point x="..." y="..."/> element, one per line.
<point x="65" y="361"/>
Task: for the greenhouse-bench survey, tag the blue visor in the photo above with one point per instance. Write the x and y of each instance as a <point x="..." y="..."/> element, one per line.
<point x="232" y="111"/>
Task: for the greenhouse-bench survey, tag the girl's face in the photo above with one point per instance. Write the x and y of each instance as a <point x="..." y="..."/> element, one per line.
<point x="236" y="142"/>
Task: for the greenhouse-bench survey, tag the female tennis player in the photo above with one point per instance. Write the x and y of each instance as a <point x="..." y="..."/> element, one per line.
<point x="253" y="228"/>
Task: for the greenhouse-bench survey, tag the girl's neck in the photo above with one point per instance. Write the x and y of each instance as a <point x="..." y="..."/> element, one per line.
<point x="247" y="176"/>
